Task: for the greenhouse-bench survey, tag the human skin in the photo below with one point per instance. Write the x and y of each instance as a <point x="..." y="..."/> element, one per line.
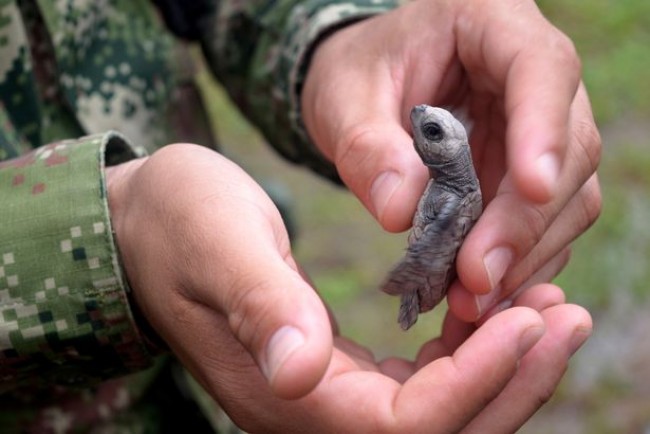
<point x="534" y="142"/>
<point x="214" y="275"/>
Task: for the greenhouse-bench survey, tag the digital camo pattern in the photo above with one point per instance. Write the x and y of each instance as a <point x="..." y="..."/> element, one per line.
<point x="101" y="65"/>
<point x="273" y="63"/>
<point x="65" y="322"/>
<point x="74" y="67"/>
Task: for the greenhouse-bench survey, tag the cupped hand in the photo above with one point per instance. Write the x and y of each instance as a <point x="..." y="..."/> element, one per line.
<point x="207" y="255"/>
<point x="486" y="380"/>
<point x="208" y="259"/>
<point x="534" y="142"/>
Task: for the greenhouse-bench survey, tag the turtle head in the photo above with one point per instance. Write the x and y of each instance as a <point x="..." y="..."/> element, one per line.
<point x="437" y="134"/>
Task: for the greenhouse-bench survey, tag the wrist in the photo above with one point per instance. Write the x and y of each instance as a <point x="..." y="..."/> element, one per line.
<point x="118" y="179"/>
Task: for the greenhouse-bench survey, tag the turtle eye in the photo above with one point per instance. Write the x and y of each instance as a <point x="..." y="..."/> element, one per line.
<point x="432" y="131"/>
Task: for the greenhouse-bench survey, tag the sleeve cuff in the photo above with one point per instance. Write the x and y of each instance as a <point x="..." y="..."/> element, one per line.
<point x="314" y="21"/>
<point x="64" y="311"/>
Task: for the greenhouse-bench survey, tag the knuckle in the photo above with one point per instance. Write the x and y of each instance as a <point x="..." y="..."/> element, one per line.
<point x="563" y="258"/>
<point x="547" y="389"/>
<point x="566" y="51"/>
<point x="591" y="201"/>
<point x="362" y="153"/>
<point x="354" y="152"/>
<point x="246" y="310"/>
<point x="589" y="142"/>
<point x="535" y="222"/>
<point x="545" y="396"/>
<point x="353" y="147"/>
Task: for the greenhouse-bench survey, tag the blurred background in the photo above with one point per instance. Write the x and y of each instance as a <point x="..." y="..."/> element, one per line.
<point x="607" y="388"/>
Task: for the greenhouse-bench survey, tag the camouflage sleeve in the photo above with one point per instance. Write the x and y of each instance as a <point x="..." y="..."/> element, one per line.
<point x="260" y="50"/>
<point x="64" y="314"/>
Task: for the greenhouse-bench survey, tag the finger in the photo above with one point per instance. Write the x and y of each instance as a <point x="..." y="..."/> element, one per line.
<point x="366" y="136"/>
<point x="576" y="217"/>
<point x="516" y="233"/>
<point x="539" y="114"/>
<point x="541" y="297"/>
<point x="227" y="242"/>
<point x="427" y="401"/>
<point x="538" y="297"/>
<point x="361" y="355"/>
<point x="398" y="369"/>
<point x="283" y="324"/>
<point x="330" y="313"/>
<point x="501" y="343"/>
<point x="535" y="67"/>
<point x="277" y="316"/>
<point x="376" y="160"/>
<point x="541" y="369"/>
<point x="381" y="168"/>
<point x="548" y="118"/>
<point x="429" y="398"/>
<point x="453" y="334"/>
<point x="470" y="307"/>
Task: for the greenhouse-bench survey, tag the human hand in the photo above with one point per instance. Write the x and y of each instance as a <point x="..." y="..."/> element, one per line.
<point x="534" y="142"/>
<point x="210" y="267"/>
<point x="489" y="380"/>
<point x="209" y="261"/>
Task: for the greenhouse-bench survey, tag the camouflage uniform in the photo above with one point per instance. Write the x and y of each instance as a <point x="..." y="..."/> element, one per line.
<point x="72" y="357"/>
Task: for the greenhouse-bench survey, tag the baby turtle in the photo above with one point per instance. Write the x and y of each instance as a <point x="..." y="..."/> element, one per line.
<point x="446" y="212"/>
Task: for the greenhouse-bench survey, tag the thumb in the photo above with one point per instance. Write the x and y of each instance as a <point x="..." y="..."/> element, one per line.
<point x="365" y="136"/>
<point x="376" y="160"/>
<point x="281" y="320"/>
<point x="372" y="152"/>
<point x="216" y="249"/>
<point x="272" y="311"/>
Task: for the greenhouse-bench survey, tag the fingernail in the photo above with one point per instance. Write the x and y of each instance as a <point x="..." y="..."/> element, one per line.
<point x="548" y="166"/>
<point x="281" y="346"/>
<point x="529" y="338"/>
<point x="486" y="301"/>
<point x="500" y="307"/>
<point x="496" y="263"/>
<point x="494" y="306"/>
<point x="382" y="190"/>
<point x="579" y="337"/>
